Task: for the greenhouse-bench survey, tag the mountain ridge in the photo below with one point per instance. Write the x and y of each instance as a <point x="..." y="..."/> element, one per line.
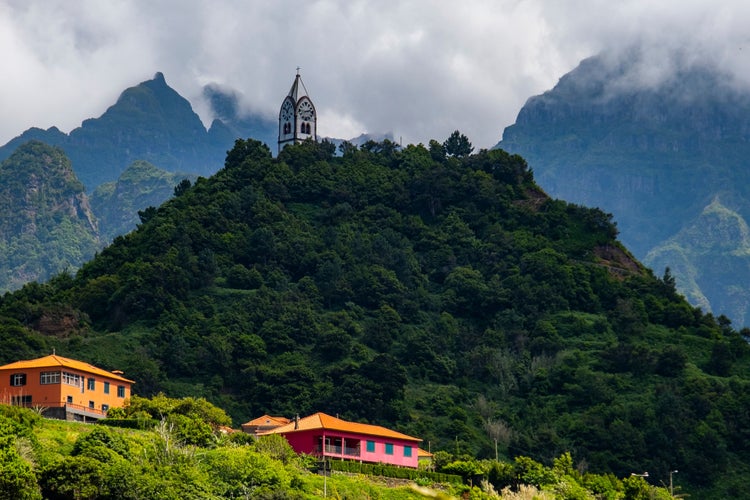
<point x="654" y="153"/>
<point x="151" y="122"/>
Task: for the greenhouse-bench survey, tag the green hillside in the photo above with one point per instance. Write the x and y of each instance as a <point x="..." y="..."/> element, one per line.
<point x="116" y="204"/>
<point x="174" y="451"/>
<point x="444" y="294"/>
<point x="46" y="223"/>
<point x="69" y="460"/>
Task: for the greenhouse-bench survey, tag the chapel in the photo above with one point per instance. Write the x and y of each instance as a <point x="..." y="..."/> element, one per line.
<point x="297" y="117"/>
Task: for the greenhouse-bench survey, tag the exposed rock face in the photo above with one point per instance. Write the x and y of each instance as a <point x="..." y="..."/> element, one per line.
<point x="654" y="152"/>
<point x="46" y="223"/>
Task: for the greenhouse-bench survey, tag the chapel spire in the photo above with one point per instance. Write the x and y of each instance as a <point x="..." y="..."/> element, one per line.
<point x="297" y="117"/>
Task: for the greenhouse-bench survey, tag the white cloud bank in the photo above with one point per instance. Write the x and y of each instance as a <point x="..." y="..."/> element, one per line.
<point x="418" y="68"/>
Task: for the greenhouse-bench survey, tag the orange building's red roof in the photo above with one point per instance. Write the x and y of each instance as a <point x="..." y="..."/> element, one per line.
<point x="266" y="420"/>
<point x="54" y="360"/>
<point x="327" y="422"/>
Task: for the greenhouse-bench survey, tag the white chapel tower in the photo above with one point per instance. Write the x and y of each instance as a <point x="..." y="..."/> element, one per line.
<point x="297" y="117"/>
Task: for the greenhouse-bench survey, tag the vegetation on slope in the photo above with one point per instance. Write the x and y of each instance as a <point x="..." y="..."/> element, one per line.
<point x="182" y="455"/>
<point x="46" y="224"/>
<point x="655" y="153"/>
<point x="422" y="287"/>
<point x="116" y="204"/>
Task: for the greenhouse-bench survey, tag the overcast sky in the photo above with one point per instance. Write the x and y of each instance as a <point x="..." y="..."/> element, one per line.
<point x="417" y="68"/>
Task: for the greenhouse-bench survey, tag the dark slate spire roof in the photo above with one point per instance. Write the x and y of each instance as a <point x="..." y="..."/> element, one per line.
<point x="298" y="89"/>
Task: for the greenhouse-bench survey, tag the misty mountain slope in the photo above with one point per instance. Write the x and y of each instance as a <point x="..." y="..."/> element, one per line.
<point x="46" y="223"/>
<point x="231" y="124"/>
<point x="711" y="257"/>
<point x="141" y="185"/>
<point x="654" y="152"/>
<point x="151" y="122"/>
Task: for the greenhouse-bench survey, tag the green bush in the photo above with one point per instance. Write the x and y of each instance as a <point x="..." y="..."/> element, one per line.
<point x="101" y="436"/>
<point x="17" y="480"/>
<point x="129" y="423"/>
<point x="392" y="471"/>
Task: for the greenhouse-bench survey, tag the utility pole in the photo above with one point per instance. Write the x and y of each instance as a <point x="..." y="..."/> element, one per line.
<point x="671" y="486"/>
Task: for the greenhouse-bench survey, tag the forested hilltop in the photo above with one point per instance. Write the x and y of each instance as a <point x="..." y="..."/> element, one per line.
<point x="426" y="288"/>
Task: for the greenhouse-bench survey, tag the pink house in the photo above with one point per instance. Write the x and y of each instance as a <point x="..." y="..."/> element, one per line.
<point x="326" y="436"/>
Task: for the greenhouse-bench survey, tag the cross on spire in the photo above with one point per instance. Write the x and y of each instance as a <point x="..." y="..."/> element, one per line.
<point x="298" y="68"/>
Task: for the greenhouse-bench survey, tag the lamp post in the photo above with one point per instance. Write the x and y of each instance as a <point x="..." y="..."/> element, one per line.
<point x="671" y="488"/>
<point x="644" y="476"/>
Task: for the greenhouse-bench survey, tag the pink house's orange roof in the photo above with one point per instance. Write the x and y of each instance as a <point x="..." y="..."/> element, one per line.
<point x="423" y="453"/>
<point x="54" y="360"/>
<point x="327" y="422"/>
<point x="266" y="420"/>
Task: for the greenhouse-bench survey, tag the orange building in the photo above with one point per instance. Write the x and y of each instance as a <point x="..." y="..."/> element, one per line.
<point x="63" y="387"/>
<point x="263" y="424"/>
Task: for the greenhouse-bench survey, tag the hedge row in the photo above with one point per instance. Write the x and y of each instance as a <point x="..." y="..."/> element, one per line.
<point x="129" y="423"/>
<point x="392" y="471"/>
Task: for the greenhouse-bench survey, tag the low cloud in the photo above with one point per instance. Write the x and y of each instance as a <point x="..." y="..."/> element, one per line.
<point x="418" y="68"/>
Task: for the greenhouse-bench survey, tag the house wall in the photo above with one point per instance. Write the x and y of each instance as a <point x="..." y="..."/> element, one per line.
<point x="307" y="441"/>
<point x="54" y="395"/>
<point x="303" y="441"/>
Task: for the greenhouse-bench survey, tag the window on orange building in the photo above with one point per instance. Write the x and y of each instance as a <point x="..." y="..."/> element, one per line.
<point x="106" y="387"/>
<point x="20" y="400"/>
<point x="49" y="378"/>
<point x="120" y="391"/>
<point x="18" y="379"/>
<point x="91" y="384"/>
<point x="105" y="409"/>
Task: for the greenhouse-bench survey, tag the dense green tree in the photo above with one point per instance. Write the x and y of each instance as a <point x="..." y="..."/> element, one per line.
<point x="458" y="145"/>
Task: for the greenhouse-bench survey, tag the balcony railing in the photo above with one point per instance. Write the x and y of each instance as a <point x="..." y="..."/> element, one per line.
<point x="331" y="449"/>
<point x="84" y="409"/>
<point x="74" y="408"/>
